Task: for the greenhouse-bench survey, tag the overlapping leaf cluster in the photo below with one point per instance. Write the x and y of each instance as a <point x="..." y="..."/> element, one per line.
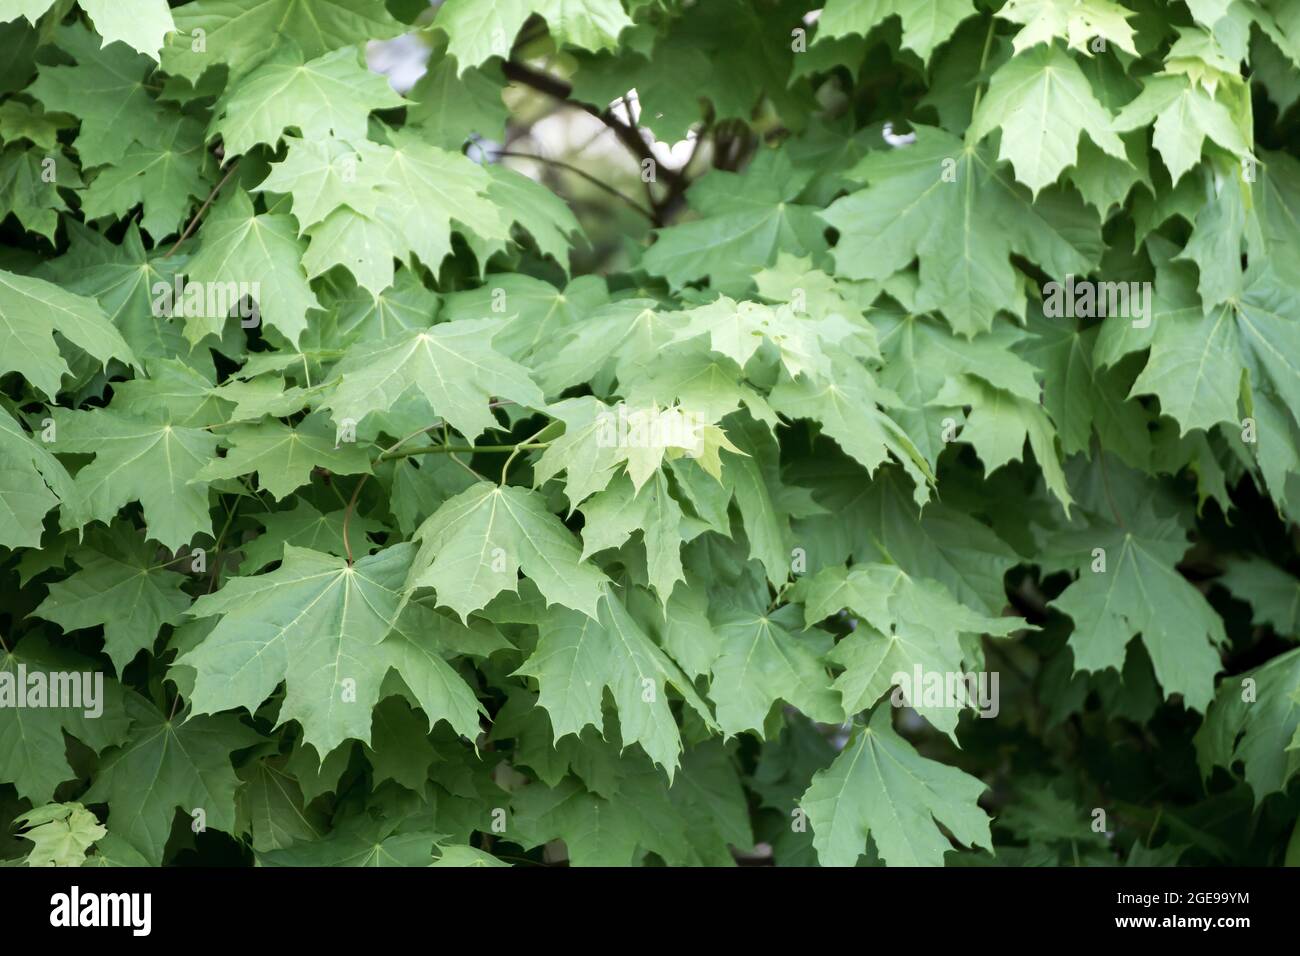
<point x="441" y="540"/>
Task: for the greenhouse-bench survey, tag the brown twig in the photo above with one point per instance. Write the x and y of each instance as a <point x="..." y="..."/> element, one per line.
<point x="578" y="172"/>
<point x="628" y="135"/>
<point x="194" y="220"/>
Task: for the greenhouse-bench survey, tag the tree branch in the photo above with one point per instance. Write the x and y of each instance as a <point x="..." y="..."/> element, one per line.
<point x="598" y="183"/>
<point x="628" y="135"/>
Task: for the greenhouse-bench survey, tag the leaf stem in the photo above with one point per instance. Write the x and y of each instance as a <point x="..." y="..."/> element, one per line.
<point x="984" y="58"/>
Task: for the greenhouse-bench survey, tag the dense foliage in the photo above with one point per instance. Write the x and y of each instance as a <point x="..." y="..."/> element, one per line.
<point x="417" y="501"/>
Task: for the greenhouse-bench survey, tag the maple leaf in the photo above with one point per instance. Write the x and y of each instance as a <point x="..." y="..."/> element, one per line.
<point x="906" y="623"/>
<point x="27" y="191"/>
<point x="578" y="656"/>
<point x="332" y="94"/>
<point x="284" y="456"/>
<point x="1045" y="81"/>
<point x="163" y="176"/>
<point x="1078" y="23"/>
<point x="143" y="459"/>
<point x="477" y="31"/>
<point x="746" y="219"/>
<point x="106" y="91"/>
<point x="912" y="209"/>
<point x="475" y="544"/>
<point x="34" y="482"/>
<point x="60" y="834"/>
<point x="1259" y="732"/>
<point x="352" y="201"/>
<point x="120" y="569"/>
<point x="166" y="765"/>
<point x="32" y="749"/>
<point x="427" y="362"/>
<point x="1131" y="586"/>
<point x="878" y="786"/>
<point x="243" y="33"/>
<point x="319" y="625"/>
<point x="241" y="245"/>
<point x="1185" y="116"/>
<point x="925" y="25"/>
<point x="764" y="658"/>
<point x="31" y="311"/>
<point x="799" y="432"/>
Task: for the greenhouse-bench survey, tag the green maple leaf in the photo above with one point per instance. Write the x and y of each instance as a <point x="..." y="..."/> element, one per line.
<point x="241" y="245"/>
<point x="1273" y="595"/>
<point x="667" y="85"/>
<point x="243" y="33"/>
<point x="473" y="547"/>
<point x="332" y="94"/>
<point x="847" y="404"/>
<point x="600" y="441"/>
<point x="1078" y="23"/>
<point x="1255" y="723"/>
<point x="122" y="277"/>
<point x="610" y="517"/>
<point x="596" y="832"/>
<point x="921" y="357"/>
<point x="1199" y="359"/>
<point x="466" y="856"/>
<point x="479" y="31"/>
<point x="31" y="311"/>
<point x="137" y="459"/>
<point x="449" y="104"/>
<point x="738" y="329"/>
<point x="694" y="376"/>
<point x="19" y="121"/>
<point x="1135" y="588"/>
<point x="1185" y="116"/>
<point x="746" y="220"/>
<point x="432" y="363"/>
<point x="182" y="394"/>
<point x="938" y="196"/>
<point x="998" y="425"/>
<point x="106" y="91"/>
<point x="28" y="190"/>
<point x="878" y="520"/>
<point x="533" y="312"/>
<point x="1083" y="399"/>
<point x="305" y="527"/>
<point x="168" y="765"/>
<point x="119" y="571"/>
<point x="925" y="24"/>
<point x="764" y="658"/>
<point x="315" y="623"/>
<point x="579" y="656"/>
<point x="141" y="24"/>
<point x="352" y="200"/>
<point x="878" y="786"/>
<point x="1043" y="82"/>
<point x="60" y="834"/>
<point x="34" y="481"/>
<point x="165" y="176"/>
<point x="354" y="315"/>
<point x="32" y="747"/>
<point x="906" y="623"/>
<point x="538" y="211"/>
<point x="284" y="456"/>
<point x="362" y="841"/>
<point x="271" y="806"/>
